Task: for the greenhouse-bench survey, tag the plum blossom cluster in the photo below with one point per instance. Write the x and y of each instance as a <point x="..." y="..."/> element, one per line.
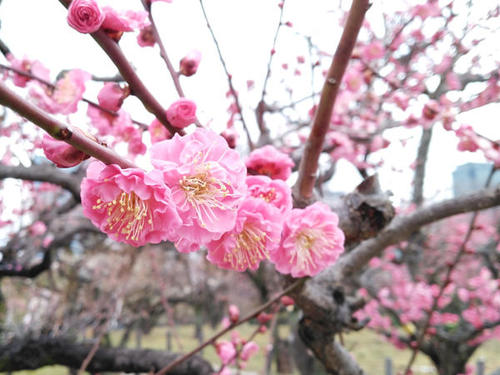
<point x="199" y="195"/>
<point x="470" y="302"/>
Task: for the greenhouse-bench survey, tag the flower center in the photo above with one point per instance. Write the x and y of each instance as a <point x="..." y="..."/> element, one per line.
<point x="65" y="91"/>
<point x="205" y="193"/>
<point x="308" y="244"/>
<point x="127" y="214"/>
<point x="267" y="195"/>
<point x="250" y="248"/>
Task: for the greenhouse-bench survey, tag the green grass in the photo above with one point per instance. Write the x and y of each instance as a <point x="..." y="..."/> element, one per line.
<point x="368" y="349"/>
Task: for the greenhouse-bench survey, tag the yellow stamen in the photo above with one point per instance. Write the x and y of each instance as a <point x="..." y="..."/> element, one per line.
<point x="127" y="214"/>
<point x="250" y="248"/>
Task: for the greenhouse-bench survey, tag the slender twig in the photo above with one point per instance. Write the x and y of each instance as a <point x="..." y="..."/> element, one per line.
<point x="309" y="163"/>
<point x="163" y="51"/>
<point x="59" y="130"/>
<point x="52" y="86"/>
<point x="261" y="107"/>
<point x="129" y="74"/>
<point x="229" y="78"/>
<point x="252" y="315"/>
<point x="446" y="281"/>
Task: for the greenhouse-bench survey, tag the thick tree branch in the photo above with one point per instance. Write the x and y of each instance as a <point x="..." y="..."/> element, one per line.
<point x="402" y="227"/>
<point x="44" y="173"/>
<point x="32" y="353"/>
<point x="309" y="163"/>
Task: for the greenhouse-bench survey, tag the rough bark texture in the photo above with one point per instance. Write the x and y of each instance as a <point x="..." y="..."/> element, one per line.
<point x="32" y="353"/>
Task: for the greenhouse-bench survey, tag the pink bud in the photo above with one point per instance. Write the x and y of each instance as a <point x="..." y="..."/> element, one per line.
<point x="37" y="228"/>
<point x="182" y="113"/>
<point x="112" y="95"/>
<point x="234" y="313"/>
<point x="189" y="63"/>
<point x="62" y="154"/>
<point x="231" y="137"/>
<point x="85" y="16"/>
<point x="431" y="109"/>
<point x="287" y="301"/>
<point x="263" y="317"/>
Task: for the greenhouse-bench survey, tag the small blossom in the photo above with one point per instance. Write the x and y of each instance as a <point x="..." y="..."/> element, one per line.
<point x="85" y="16"/>
<point x="62" y="154"/>
<point x="158" y="132"/>
<point x="249" y="349"/>
<point x="311" y="241"/>
<point x="287" y="301"/>
<point x="112" y="95"/>
<point x="117" y="21"/>
<point x="38" y="228"/>
<point x="263" y="317"/>
<point x="146" y="37"/>
<point x="270" y="162"/>
<point x="254" y="237"/>
<point x="274" y="192"/>
<point x="182" y="113"/>
<point x="226" y="351"/>
<point x="374" y="50"/>
<point x="34" y="68"/>
<point x="189" y="63"/>
<point x="128" y="204"/>
<point x="66" y="95"/>
<point x="207" y="179"/>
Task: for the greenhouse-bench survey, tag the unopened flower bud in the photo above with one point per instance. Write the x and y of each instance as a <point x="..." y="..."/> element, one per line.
<point x="189" y="63"/>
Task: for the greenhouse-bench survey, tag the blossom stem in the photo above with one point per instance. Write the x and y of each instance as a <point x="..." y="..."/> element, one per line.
<point x="59" y="130"/>
<point x="314" y="144"/>
<point x="252" y="315"/>
<point x="128" y="73"/>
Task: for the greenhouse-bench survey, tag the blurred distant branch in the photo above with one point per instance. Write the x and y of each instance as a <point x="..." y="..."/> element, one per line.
<point x="402" y="227"/>
<point x="3" y="48"/>
<point x="44" y="173"/>
<point x="27" y="353"/>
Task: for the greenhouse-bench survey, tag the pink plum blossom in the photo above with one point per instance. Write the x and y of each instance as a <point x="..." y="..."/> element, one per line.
<point x="129" y="205"/>
<point x="189" y="63"/>
<point x="38" y="228"/>
<point x="249" y="349"/>
<point x="274" y="192"/>
<point x="146" y="37"/>
<point x="226" y="351"/>
<point x="374" y="50"/>
<point x="182" y="113"/>
<point x="62" y="154"/>
<point x="310" y="242"/>
<point x="85" y="16"/>
<point x="158" y="132"/>
<point x="255" y="236"/>
<point x="207" y="179"/>
<point x="270" y="162"/>
<point x="66" y="95"/>
<point x="119" y="21"/>
<point x="34" y="68"/>
<point x="112" y="95"/>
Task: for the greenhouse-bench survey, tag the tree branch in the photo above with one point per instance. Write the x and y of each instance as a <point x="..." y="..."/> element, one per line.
<point x="402" y="227"/>
<point x="44" y="173"/>
<point x="32" y="353"/>
<point x="303" y="189"/>
<point x="128" y="73"/>
<point x="59" y="130"/>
